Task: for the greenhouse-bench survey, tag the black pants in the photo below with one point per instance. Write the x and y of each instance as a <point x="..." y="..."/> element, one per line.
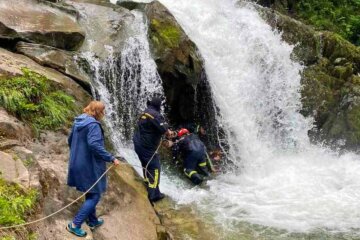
<point x="152" y="174"/>
<point x="195" y="167"/>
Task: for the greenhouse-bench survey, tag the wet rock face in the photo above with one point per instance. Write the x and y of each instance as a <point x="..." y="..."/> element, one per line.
<point x="104" y="25"/>
<point x="330" y="80"/>
<point x="39" y="24"/>
<point x="63" y="61"/>
<point x="179" y="63"/>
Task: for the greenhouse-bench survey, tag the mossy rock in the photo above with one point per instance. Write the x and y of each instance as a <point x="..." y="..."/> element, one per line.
<point x="179" y="63"/>
<point x="334" y="47"/>
<point x="318" y="98"/>
<point x="343" y="72"/>
<point x="166" y="33"/>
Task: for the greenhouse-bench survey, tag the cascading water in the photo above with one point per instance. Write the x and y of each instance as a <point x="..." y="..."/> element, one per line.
<point x="125" y="81"/>
<point x="282" y="181"/>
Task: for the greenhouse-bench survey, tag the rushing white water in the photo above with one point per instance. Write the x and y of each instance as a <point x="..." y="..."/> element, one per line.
<point x="283" y="181"/>
<point x="124" y="83"/>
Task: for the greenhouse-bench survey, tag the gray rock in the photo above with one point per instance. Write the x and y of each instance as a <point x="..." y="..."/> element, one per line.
<point x="104" y="24"/>
<point x="13" y="170"/>
<point x="58" y="59"/>
<point x="50" y="26"/>
<point x="12" y="128"/>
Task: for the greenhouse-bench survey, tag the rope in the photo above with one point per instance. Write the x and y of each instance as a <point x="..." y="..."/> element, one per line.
<point x="151" y="160"/>
<point x="63" y="208"/>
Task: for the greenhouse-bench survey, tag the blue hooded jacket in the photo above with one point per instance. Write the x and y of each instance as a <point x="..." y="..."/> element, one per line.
<point x="88" y="156"/>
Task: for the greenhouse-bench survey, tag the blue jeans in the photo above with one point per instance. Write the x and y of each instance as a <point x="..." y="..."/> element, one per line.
<point x="87" y="210"/>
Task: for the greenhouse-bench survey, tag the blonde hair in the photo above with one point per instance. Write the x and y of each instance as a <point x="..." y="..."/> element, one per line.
<point x="95" y="109"/>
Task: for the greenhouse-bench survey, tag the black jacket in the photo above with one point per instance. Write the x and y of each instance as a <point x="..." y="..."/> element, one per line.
<point x="189" y="145"/>
<point x="151" y="126"/>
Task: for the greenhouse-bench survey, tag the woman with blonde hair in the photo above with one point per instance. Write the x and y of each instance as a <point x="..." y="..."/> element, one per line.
<point x="87" y="163"/>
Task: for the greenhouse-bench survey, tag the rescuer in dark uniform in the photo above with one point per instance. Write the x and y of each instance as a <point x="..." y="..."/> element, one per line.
<point x="193" y="152"/>
<point x="151" y="127"/>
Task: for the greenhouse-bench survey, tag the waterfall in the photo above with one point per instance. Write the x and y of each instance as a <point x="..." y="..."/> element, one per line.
<point x="283" y="180"/>
<point x="125" y="81"/>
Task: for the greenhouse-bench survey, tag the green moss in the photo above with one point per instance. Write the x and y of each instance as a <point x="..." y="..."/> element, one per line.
<point x="343" y="72"/>
<point x="36" y="100"/>
<point x="318" y="93"/>
<point x="15" y="203"/>
<point x="166" y="33"/>
<point x="8" y="238"/>
<point x="353" y="119"/>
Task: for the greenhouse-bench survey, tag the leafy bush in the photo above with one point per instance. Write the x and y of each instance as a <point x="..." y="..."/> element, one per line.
<point x="34" y="99"/>
<point x="15" y="203"/>
<point x="340" y="16"/>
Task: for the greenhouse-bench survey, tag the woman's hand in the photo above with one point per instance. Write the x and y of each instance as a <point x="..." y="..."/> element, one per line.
<point x="116" y="162"/>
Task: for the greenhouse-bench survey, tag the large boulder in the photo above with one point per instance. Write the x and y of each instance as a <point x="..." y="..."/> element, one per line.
<point x="57" y="59"/>
<point x="138" y="219"/>
<point x="38" y="23"/>
<point x="179" y="63"/>
<point x="11" y="65"/>
<point x="104" y="24"/>
<point x="330" y="80"/>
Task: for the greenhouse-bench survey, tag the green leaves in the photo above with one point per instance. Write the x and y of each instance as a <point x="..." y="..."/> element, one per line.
<point x="15" y="203"/>
<point x="34" y="99"/>
<point x="339" y="16"/>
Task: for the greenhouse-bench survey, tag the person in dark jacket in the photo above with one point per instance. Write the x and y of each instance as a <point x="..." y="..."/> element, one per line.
<point x="193" y="152"/>
<point x="150" y="128"/>
<point x="87" y="163"/>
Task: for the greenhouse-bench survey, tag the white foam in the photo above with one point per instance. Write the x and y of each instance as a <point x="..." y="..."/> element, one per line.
<point x="283" y="181"/>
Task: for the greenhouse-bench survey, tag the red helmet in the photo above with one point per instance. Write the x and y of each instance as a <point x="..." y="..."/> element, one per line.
<point x="182" y="132"/>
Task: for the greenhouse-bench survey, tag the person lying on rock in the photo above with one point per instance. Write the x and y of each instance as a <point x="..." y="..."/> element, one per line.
<point x="193" y="152"/>
<point x="87" y="163"/>
<point x="151" y="127"/>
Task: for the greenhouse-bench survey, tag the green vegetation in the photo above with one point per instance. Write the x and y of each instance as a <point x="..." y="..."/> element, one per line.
<point x="166" y="32"/>
<point x="339" y="16"/>
<point x="34" y="99"/>
<point x="15" y="203"/>
<point x="8" y="238"/>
